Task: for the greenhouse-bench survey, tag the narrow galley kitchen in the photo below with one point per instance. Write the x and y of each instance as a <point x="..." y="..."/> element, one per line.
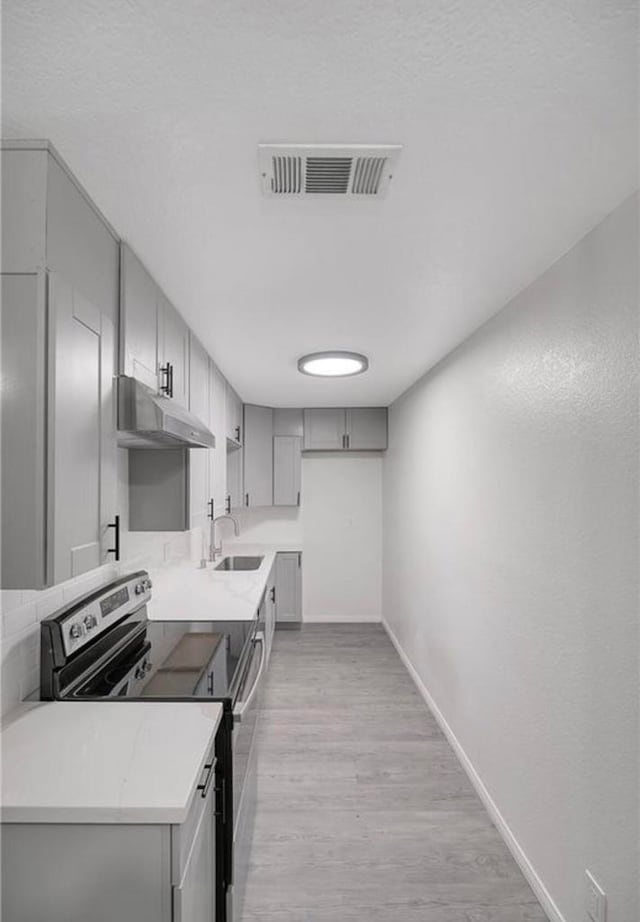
<point x="320" y="461"/>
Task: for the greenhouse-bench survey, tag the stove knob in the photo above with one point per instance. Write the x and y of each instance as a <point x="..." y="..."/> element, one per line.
<point x="139" y="588"/>
<point x="90" y="622"/>
<point x="75" y="631"/>
<point x="139" y="673"/>
<point x="148" y="584"/>
<point x="148" y="666"/>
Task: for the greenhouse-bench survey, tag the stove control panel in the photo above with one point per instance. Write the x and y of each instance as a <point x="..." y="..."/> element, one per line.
<point x="101" y="609"/>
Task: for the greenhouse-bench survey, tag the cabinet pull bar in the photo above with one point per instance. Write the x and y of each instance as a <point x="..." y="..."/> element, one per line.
<point x="210" y="504"/>
<point x="165" y="387"/>
<point x="246" y="499"/>
<point x="115" y="550"/>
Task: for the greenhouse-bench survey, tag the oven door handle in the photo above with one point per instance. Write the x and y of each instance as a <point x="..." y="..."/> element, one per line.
<point x="242" y="708"/>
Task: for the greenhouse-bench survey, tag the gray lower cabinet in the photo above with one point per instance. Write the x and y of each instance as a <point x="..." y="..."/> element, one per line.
<point x="147" y="873"/>
<point x="59" y="309"/>
<point x="258" y="455"/>
<point x="351" y="429"/>
<point x="288" y="582"/>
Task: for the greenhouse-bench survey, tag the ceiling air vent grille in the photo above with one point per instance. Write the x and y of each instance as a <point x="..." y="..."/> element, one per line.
<point x="326" y="169"/>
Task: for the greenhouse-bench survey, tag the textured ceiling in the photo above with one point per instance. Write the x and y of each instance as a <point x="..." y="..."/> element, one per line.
<point x="518" y="122"/>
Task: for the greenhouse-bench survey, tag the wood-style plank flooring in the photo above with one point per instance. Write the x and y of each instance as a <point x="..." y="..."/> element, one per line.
<point x="364" y="813"/>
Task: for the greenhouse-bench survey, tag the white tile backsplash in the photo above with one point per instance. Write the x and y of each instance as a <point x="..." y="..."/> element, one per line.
<point x="22" y="610"/>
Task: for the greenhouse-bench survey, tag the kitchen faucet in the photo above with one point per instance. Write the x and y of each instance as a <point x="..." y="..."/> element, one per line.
<point x="213" y="550"/>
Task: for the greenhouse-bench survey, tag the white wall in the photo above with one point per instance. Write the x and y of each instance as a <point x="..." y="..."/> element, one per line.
<point x="510" y="566"/>
<point x="339" y="527"/>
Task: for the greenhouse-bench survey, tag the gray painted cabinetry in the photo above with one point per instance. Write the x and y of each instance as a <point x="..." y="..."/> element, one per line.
<point x="59" y="306"/>
<point x="147" y="873"/>
<point x="288" y="581"/>
<point x="352" y="429"/>
<point x="258" y="456"/>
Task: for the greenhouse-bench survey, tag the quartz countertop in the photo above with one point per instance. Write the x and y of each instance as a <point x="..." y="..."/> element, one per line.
<point x="187" y="592"/>
<point x="104" y="762"/>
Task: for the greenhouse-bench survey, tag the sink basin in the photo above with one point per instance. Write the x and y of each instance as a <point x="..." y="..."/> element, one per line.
<point x="239" y="563"/>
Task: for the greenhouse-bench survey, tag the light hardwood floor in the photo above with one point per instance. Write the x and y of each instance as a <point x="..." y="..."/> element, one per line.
<point x="364" y="813"/>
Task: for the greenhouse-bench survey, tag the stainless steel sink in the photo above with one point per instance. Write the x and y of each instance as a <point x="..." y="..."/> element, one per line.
<point x="239" y="563"/>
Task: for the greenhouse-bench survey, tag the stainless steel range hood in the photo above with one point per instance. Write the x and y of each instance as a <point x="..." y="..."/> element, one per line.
<point x="148" y="420"/>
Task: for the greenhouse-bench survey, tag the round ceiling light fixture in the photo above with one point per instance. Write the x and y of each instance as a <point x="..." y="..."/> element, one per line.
<point x="333" y="364"/>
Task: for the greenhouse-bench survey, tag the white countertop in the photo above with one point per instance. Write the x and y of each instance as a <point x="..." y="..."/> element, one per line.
<point x="104" y="762"/>
<point x="185" y="592"/>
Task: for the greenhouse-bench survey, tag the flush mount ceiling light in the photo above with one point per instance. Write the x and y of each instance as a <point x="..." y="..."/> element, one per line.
<point x="333" y="364"/>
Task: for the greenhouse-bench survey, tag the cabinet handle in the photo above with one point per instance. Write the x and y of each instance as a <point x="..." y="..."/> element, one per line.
<point x="228" y="505"/>
<point x="210" y="504"/>
<point x="165" y="387"/>
<point x="344" y="441"/>
<point x="210" y="684"/>
<point x="347" y="439"/>
<point x="237" y="433"/>
<point x="204" y="787"/>
<point x="299" y="560"/>
<point x="170" y="380"/>
<point x="298" y="499"/>
<point x="273" y="594"/>
<point x="115" y="550"/>
<point x="246" y="499"/>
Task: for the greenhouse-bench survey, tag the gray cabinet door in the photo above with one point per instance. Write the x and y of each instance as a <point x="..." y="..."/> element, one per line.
<point x="289" y="587"/>
<point x="324" y="429"/>
<point x="200" y="494"/>
<point x="138" y="320"/>
<point x="175" y="350"/>
<point x="287" y="468"/>
<point x="24" y="521"/>
<point x="234" y="494"/>
<point x="194" y="899"/>
<point x="217" y="455"/>
<point x="233" y="415"/>
<point x="366" y="428"/>
<point x="80" y="397"/>
<point x="258" y="456"/>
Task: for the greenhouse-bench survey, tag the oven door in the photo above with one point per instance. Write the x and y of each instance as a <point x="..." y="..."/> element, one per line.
<point x="245" y="770"/>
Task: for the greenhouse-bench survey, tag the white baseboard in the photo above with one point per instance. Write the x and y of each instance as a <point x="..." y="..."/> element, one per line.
<point x="500" y="823"/>
<point x="341" y="619"/>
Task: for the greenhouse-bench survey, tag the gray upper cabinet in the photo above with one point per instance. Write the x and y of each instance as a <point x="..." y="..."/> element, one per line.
<point x="233" y="415"/>
<point x="200" y="459"/>
<point x="258" y="456"/>
<point x="173" y="352"/>
<point x="324" y="429"/>
<point x="287" y="470"/>
<point x="138" y="320"/>
<point x="217" y="455"/>
<point x="352" y="429"/>
<point x="366" y="428"/>
<point x="154" y="339"/>
<point x="58" y="357"/>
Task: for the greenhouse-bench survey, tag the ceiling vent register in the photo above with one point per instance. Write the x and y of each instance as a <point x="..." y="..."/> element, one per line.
<point x="327" y="169"/>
